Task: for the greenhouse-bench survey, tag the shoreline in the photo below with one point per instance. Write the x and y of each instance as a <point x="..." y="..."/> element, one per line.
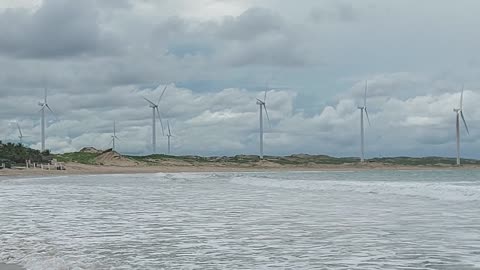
<point x="82" y="169"/>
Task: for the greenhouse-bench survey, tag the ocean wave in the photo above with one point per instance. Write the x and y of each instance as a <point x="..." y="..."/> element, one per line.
<point x="461" y="191"/>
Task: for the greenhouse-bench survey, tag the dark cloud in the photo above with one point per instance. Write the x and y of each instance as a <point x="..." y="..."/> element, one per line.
<point x="340" y="12"/>
<point x="59" y="28"/>
<point x="114" y="4"/>
<point x="257" y="37"/>
<point x="253" y="23"/>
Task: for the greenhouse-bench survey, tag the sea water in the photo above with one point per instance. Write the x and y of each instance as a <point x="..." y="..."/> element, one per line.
<point x="288" y="220"/>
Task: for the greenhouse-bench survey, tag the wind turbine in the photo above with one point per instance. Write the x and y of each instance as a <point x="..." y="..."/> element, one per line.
<point x="114" y="136"/>
<point x="20" y="133"/>
<point x="155" y="112"/>
<point x="263" y="105"/>
<point x="44" y="105"/>
<point x="459" y="113"/>
<point x="169" y="135"/>
<point x="363" y="109"/>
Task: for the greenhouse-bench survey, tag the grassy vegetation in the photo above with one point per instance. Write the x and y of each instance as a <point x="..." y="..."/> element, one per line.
<point x="78" y="157"/>
<point x="247" y="159"/>
<point x="423" y="161"/>
<point x="252" y="160"/>
<point x="17" y="154"/>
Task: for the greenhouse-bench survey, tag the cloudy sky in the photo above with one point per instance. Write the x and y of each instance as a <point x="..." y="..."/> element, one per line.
<point x="99" y="58"/>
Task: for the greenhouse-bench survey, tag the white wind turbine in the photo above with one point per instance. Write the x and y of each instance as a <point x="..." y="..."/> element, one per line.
<point x="44" y="106"/>
<point x="20" y="133"/>
<point x="263" y="106"/>
<point x="156" y="112"/>
<point x="459" y="113"/>
<point x="363" y="109"/>
<point x="169" y="135"/>
<point x="114" y="136"/>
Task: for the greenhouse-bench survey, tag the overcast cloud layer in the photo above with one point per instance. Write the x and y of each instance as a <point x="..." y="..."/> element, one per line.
<point x="99" y="58"/>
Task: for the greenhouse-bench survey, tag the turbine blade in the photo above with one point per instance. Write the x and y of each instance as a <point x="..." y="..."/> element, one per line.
<point x="464" y="122"/>
<point x="149" y="101"/>
<point x="19" y="130"/>
<point x="163" y="92"/>
<point x="266" y="113"/>
<point x="461" y="98"/>
<point x="42" y="106"/>
<point x="368" y="118"/>
<point x="161" y="122"/>
<point x="265" y="96"/>
<point x="168" y="125"/>
<point x="53" y="113"/>
<point x="365" y="96"/>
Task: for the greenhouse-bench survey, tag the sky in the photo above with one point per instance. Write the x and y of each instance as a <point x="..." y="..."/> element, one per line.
<point x="100" y="58"/>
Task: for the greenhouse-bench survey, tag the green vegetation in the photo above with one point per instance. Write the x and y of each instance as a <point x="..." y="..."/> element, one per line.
<point x="423" y="161"/>
<point x="78" y="157"/>
<point x="252" y="160"/>
<point x="11" y="153"/>
<point x="89" y="156"/>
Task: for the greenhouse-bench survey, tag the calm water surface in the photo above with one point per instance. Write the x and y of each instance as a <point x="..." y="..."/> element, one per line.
<point x="326" y="220"/>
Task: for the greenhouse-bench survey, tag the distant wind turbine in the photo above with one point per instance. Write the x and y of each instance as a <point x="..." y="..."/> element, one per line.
<point x="156" y="112"/>
<point x="363" y="109"/>
<point x="263" y="106"/>
<point x="169" y="135"/>
<point x="114" y="136"/>
<point x="44" y="106"/>
<point x="20" y="133"/>
<point x="459" y="113"/>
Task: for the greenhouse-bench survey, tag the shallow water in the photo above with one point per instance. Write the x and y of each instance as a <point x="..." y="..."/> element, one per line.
<point x="323" y="220"/>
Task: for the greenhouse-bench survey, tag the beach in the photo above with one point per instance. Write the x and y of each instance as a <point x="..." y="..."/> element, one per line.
<point x="83" y="169"/>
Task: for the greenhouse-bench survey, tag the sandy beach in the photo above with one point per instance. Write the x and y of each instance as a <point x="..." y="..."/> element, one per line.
<point x="82" y="169"/>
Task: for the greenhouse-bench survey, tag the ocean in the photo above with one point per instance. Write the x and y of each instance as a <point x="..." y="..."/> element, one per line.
<point x="269" y="220"/>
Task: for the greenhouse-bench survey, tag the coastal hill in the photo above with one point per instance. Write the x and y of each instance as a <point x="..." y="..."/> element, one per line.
<point x="91" y="156"/>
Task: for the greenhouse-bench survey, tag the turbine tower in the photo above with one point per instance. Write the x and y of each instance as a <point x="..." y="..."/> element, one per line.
<point x="169" y="135"/>
<point x="44" y="106"/>
<point x="155" y="112"/>
<point x="263" y="106"/>
<point x="114" y="136"/>
<point x="363" y="110"/>
<point x="459" y="113"/>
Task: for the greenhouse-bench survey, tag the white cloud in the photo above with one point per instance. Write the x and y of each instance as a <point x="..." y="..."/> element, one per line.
<point x="215" y="54"/>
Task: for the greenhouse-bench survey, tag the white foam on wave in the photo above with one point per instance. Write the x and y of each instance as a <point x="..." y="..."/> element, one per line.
<point x="33" y="178"/>
<point x="190" y="176"/>
<point x="131" y="221"/>
<point x="435" y="190"/>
